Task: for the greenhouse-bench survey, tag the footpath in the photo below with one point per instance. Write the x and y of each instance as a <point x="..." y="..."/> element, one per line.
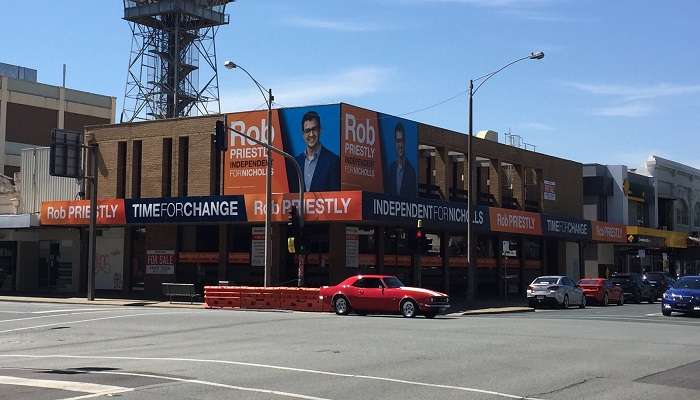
<point x="484" y="307"/>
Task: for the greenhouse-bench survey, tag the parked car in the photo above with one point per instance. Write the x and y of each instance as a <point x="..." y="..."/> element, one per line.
<point x="555" y="290"/>
<point x="661" y="281"/>
<point x="383" y="294"/>
<point x="634" y="287"/>
<point x="683" y="296"/>
<point x="601" y="291"/>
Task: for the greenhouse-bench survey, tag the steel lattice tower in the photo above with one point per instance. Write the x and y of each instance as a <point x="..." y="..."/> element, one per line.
<point x="172" y="48"/>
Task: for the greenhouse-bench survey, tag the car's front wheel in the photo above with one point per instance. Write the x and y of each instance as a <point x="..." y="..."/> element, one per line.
<point x="583" y="302"/>
<point x="430" y="314"/>
<point x="409" y="308"/>
<point x="666" y="312"/>
<point x="565" y="302"/>
<point x="341" y="305"/>
<point x="605" y="299"/>
<point x="621" y="300"/>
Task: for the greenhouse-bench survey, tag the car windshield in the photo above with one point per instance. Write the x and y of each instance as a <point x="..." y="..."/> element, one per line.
<point x="687" y="283"/>
<point x="588" y="282"/>
<point x="545" y="281"/>
<point x="393" y="282"/>
<point x="654" y="276"/>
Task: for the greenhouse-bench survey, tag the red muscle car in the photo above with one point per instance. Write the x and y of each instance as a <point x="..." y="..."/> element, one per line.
<point x="383" y="294"/>
<point x="601" y="291"/>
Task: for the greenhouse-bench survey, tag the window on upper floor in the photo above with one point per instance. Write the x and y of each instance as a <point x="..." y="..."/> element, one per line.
<point x="681" y="212"/>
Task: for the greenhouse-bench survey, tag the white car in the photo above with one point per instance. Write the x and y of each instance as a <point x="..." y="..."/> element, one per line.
<point x="555" y="290"/>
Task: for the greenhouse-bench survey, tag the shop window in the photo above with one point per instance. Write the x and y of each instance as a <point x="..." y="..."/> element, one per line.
<point x="121" y="170"/>
<point x="240" y="238"/>
<point x="182" y="165"/>
<point x="167" y="167"/>
<point x="137" y="147"/>
<point x="457" y="246"/>
<point x="532" y="249"/>
<point x="367" y="241"/>
<point x="485" y="248"/>
<point x="55" y="265"/>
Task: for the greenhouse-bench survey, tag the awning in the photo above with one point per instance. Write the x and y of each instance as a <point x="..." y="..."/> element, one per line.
<point x="671" y="239"/>
<point x="15" y="221"/>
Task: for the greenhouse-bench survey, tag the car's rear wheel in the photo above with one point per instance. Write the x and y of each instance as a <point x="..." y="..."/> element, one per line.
<point x="583" y="302"/>
<point x="621" y="300"/>
<point x="651" y="300"/>
<point x="605" y="299"/>
<point x="409" y="308"/>
<point x="565" y="302"/>
<point x="341" y="305"/>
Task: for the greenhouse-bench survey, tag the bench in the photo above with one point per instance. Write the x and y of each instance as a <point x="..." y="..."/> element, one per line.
<point x="179" y="290"/>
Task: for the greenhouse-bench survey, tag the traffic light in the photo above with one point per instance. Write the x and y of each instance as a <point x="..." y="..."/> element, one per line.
<point x="295" y="242"/>
<point x="220" y="138"/>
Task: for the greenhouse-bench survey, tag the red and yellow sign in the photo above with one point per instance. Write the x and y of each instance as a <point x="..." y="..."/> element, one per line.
<point x="318" y="206"/>
<point x="514" y="221"/>
<point x="245" y="161"/>
<point x="361" y="150"/>
<point x="77" y="212"/>
<point x="607" y="232"/>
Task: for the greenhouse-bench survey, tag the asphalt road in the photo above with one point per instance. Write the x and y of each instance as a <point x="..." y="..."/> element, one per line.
<point x="51" y="351"/>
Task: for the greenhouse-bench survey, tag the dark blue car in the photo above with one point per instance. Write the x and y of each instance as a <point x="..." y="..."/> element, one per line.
<point x="683" y="296"/>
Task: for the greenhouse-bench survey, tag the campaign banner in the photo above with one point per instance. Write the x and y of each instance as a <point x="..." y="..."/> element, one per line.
<point x="607" y="232"/>
<point x="77" y="212"/>
<point x="361" y="150"/>
<point x="245" y="162"/>
<point x="257" y="246"/>
<point x="185" y="209"/>
<point x="399" y="156"/>
<point x="312" y="136"/>
<point x="318" y="206"/>
<point x="381" y="207"/>
<point x="567" y="228"/>
<point x="352" y="247"/>
<point x="514" y="221"/>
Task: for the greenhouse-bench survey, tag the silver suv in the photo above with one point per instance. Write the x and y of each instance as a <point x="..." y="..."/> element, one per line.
<point x="555" y="290"/>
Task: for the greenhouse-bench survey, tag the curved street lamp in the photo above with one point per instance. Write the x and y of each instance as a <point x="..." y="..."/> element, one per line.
<point x="268" y="180"/>
<point x="471" y="270"/>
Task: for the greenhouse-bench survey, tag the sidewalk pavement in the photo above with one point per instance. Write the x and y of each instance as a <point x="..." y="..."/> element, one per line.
<point x="478" y="308"/>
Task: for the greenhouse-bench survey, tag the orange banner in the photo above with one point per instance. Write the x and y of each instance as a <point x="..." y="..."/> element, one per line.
<point x="209" y="257"/>
<point x="361" y="150"/>
<point x="514" y="221"/>
<point x="245" y="161"/>
<point x="318" y="206"/>
<point x="607" y="232"/>
<point x="77" y="212"/>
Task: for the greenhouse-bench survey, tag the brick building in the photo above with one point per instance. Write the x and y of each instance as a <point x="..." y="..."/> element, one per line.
<point x="529" y="204"/>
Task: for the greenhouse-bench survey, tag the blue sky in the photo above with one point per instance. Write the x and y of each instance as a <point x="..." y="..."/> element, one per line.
<point x="619" y="80"/>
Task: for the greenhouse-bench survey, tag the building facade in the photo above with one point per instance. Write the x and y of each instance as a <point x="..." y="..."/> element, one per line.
<point x="174" y="210"/>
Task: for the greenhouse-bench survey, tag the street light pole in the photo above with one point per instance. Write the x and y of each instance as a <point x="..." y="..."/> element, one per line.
<point x="471" y="265"/>
<point x="268" y="173"/>
<point x="268" y="195"/>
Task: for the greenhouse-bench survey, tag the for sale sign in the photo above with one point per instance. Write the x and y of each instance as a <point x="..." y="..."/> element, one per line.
<point x="160" y="262"/>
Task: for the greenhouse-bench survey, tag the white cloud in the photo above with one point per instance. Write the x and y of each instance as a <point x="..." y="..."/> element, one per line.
<point x="536" y="126"/>
<point x="317" y="89"/>
<point x="631" y="93"/>
<point x="333" y="25"/>
<point x="634" y="109"/>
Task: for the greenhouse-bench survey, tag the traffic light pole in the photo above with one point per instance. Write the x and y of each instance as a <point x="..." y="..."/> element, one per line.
<point x="269" y="147"/>
<point x="93" y="223"/>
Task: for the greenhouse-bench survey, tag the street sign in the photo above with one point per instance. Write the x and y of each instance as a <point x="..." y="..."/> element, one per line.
<point x="507" y="252"/>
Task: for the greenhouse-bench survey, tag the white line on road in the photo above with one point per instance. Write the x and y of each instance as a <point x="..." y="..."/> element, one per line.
<point x="52" y="316"/>
<point x="208" y="383"/>
<point x="88" y="320"/>
<point x="71" y="386"/>
<point x="72" y="310"/>
<point x="277" y="367"/>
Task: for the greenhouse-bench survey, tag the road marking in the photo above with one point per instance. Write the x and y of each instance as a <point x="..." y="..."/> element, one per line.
<point x="88" y="320"/>
<point x="51" y="316"/>
<point x="215" y="384"/>
<point x="71" y="310"/>
<point x="277" y="367"/>
<point x="658" y="314"/>
<point x="92" y="388"/>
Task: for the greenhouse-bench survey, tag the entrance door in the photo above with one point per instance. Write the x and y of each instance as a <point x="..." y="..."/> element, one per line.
<point x="8" y="260"/>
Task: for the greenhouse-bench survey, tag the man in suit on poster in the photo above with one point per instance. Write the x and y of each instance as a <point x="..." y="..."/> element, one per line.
<point x="401" y="179"/>
<point x="320" y="167"/>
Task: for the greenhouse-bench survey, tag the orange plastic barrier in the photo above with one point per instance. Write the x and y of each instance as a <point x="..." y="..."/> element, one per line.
<point x="250" y="297"/>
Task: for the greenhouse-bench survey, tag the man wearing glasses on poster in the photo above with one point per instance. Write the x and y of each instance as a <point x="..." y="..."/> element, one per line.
<point x="320" y="167"/>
